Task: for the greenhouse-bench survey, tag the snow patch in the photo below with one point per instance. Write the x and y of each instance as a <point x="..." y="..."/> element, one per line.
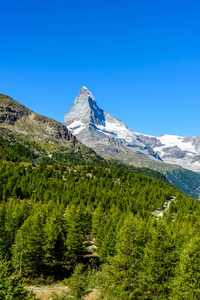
<point x="120" y="131"/>
<point x="175" y="140"/>
<point x="76" y="127"/>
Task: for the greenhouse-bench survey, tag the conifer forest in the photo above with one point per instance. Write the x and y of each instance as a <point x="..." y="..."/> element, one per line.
<point x="123" y="231"/>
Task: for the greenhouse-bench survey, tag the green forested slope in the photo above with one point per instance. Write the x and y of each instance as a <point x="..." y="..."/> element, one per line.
<point x="67" y="214"/>
<point x="15" y="148"/>
<point x="49" y="213"/>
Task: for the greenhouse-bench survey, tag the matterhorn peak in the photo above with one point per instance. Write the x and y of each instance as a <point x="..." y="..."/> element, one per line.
<point x="84" y="90"/>
<point x="83" y="112"/>
<point x="85" y="93"/>
<point x="96" y="128"/>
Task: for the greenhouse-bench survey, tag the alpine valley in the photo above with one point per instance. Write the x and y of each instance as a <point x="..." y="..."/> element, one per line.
<point x="80" y="225"/>
<point x="178" y="158"/>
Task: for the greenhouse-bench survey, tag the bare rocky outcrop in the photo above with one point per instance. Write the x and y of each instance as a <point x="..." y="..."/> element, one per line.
<point x="11" y="110"/>
<point x="18" y="118"/>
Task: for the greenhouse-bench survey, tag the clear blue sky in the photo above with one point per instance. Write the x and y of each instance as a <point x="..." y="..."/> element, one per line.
<point x="140" y="59"/>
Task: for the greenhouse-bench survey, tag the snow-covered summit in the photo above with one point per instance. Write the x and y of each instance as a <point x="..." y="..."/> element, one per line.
<point x="85" y="92"/>
<point x="104" y="133"/>
<point x="92" y="126"/>
<point x="83" y="112"/>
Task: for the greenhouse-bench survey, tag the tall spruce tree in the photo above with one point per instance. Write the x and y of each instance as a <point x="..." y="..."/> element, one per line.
<point x="11" y="287"/>
<point x="186" y="283"/>
<point x="160" y="257"/>
<point x="122" y="274"/>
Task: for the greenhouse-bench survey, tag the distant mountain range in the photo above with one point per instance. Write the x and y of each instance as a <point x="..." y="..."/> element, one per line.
<point x="183" y="151"/>
<point x="110" y="137"/>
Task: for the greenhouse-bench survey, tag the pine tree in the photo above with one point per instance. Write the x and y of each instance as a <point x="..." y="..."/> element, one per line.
<point x="54" y="235"/>
<point x="3" y="237"/>
<point x="74" y="241"/>
<point x="11" y="287"/>
<point x="121" y="276"/>
<point x="186" y="283"/>
<point x="78" y="283"/>
<point x="160" y="257"/>
<point x="19" y="253"/>
<point x="29" y="247"/>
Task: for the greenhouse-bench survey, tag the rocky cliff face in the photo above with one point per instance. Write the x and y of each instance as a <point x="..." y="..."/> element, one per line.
<point x="11" y="111"/>
<point x="21" y="120"/>
<point x="104" y="133"/>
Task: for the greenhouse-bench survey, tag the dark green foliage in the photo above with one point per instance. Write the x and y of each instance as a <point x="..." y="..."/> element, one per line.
<point x="76" y="158"/>
<point x="79" y="282"/>
<point x="50" y="214"/>
<point x="159" y="261"/>
<point x="11" y="287"/>
<point x="12" y="150"/>
<point x="122" y="277"/>
<point x="186" y="180"/>
<point x="186" y="283"/>
<point x="75" y="235"/>
<point x="54" y="235"/>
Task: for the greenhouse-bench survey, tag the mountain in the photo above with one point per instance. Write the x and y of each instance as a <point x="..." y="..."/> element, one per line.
<point x="183" y="151"/>
<point x="58" y="223"/>
<point x="50" y="140"/>
<point x="20" y="119"/>
<point x="176" y="157"/>
<point x="26" y="136"/>
<point x="102" y="132"/>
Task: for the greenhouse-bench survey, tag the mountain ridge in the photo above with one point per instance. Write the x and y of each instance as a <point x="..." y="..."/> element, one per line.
<point x="52" y="142"/>
<point x="183" y="151"/>
<point x="21" y="119"/>
<point x="95" y="127"/>
<point x="110" y="137"/>
<point x="50" y="135"/>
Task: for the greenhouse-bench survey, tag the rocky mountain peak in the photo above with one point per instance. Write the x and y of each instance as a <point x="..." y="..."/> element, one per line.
<point x="2" y="96"/>
<point x="84" y="90"/>
<point x="85" y="96"/>
<point x="83" y="112"/>
<point x="98" y="129"/>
